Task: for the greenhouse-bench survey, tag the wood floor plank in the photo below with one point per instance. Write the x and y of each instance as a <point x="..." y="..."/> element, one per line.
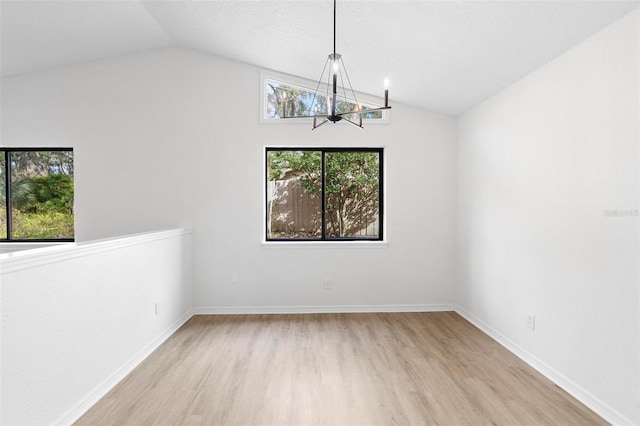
<point x="335" y="369"/>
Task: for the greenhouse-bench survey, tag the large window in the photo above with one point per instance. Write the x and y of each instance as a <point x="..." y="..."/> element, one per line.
<point x="324" y="194"/>
<point x="36" y="194"/>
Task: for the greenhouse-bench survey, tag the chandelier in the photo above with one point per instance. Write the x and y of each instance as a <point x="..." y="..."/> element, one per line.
<point x="337" y="105"/>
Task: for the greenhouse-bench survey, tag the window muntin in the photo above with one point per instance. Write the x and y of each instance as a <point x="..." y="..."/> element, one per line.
<point x="36" y="194"/>
<point x="318" y="194"/>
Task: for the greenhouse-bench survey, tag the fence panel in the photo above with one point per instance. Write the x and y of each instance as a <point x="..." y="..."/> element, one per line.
<point x="296" y="213"/>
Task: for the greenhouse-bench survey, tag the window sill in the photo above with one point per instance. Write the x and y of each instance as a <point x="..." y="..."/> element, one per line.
<point x="9" y="248"/>
<point x="327" y="244"/>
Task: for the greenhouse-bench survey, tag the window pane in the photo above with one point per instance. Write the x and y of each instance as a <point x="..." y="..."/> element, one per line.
<point x="352" y="194"/>
<point x="287" y="100"/>
<point x="42" y="194"/>
<point x="3" y="200"/>
<point x="290" y="101"/>
<point x="294" y="188"/>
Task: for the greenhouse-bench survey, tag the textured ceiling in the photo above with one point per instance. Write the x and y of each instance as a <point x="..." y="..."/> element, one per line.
<point x="445" y="56"/>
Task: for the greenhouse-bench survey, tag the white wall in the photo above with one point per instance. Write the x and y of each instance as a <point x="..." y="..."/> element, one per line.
<point x="539" y="165"/>
<point x="13" y="247"/>
<point x="172" y="138"/>
<point x="76" y="319"/>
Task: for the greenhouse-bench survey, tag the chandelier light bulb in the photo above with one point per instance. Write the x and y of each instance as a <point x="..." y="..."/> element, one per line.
<point x="284" y="104"/>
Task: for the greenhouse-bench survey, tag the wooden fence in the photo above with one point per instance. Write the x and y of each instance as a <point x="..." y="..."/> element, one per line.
<point x="296" y="213"/>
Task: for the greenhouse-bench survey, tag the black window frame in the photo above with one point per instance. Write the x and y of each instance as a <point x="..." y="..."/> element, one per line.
<point x="6" y="153"/>
<point x="323" y="150"/>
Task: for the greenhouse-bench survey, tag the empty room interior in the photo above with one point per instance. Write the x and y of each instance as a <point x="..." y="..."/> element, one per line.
<point x="445" y="234"/>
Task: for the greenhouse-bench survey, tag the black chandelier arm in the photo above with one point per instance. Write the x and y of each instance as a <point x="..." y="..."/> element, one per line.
<point x="305" y="116"/>
<point x="354" y="123"/>
<point x="362" y="111"/>
<point x="315" y="126"/>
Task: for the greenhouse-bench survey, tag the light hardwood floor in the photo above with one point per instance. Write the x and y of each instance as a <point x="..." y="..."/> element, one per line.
<point x="335" y="369"/>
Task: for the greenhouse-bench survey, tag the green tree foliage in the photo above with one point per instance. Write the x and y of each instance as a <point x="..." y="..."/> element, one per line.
<point x="307" y="165"/>
<point x="3" y="221"/>
<point x="21" y="193"/>
<point x="47" y="225"/>
<point x="351" y="184"/>
<point x="53" y="193"/>
<point x="283" y="99"/>
<point x="352" y="190"/>
<point x="42" y="188"/>
<point x="41" y="163"/>
<point x="3" y="199"/>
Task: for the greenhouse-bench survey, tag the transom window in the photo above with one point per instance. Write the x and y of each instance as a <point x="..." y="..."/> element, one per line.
<point x="317" y="194"/>
<point x="288" y="96"/>
<point x="36" y="194"/>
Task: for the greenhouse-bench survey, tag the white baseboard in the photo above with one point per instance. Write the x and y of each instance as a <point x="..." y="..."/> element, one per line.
<point x="326" y="309"/>
<point x="602" y="409"/>
<point x="101" y="390"/>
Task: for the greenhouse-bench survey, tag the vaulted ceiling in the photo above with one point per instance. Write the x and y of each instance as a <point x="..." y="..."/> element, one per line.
<point x="445" y="56"/>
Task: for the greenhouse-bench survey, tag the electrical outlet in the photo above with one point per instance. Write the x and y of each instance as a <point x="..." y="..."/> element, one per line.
<point x="531" y="321"/>
<point x="157" y="308"/>
<point x="327" y="284"/>
<point x="234" y="278"/>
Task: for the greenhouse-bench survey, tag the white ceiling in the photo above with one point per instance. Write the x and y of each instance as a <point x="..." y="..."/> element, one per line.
<point x="445" y="56"/>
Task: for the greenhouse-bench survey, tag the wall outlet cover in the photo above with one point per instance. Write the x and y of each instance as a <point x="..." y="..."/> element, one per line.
<point x="531" y="321"/>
